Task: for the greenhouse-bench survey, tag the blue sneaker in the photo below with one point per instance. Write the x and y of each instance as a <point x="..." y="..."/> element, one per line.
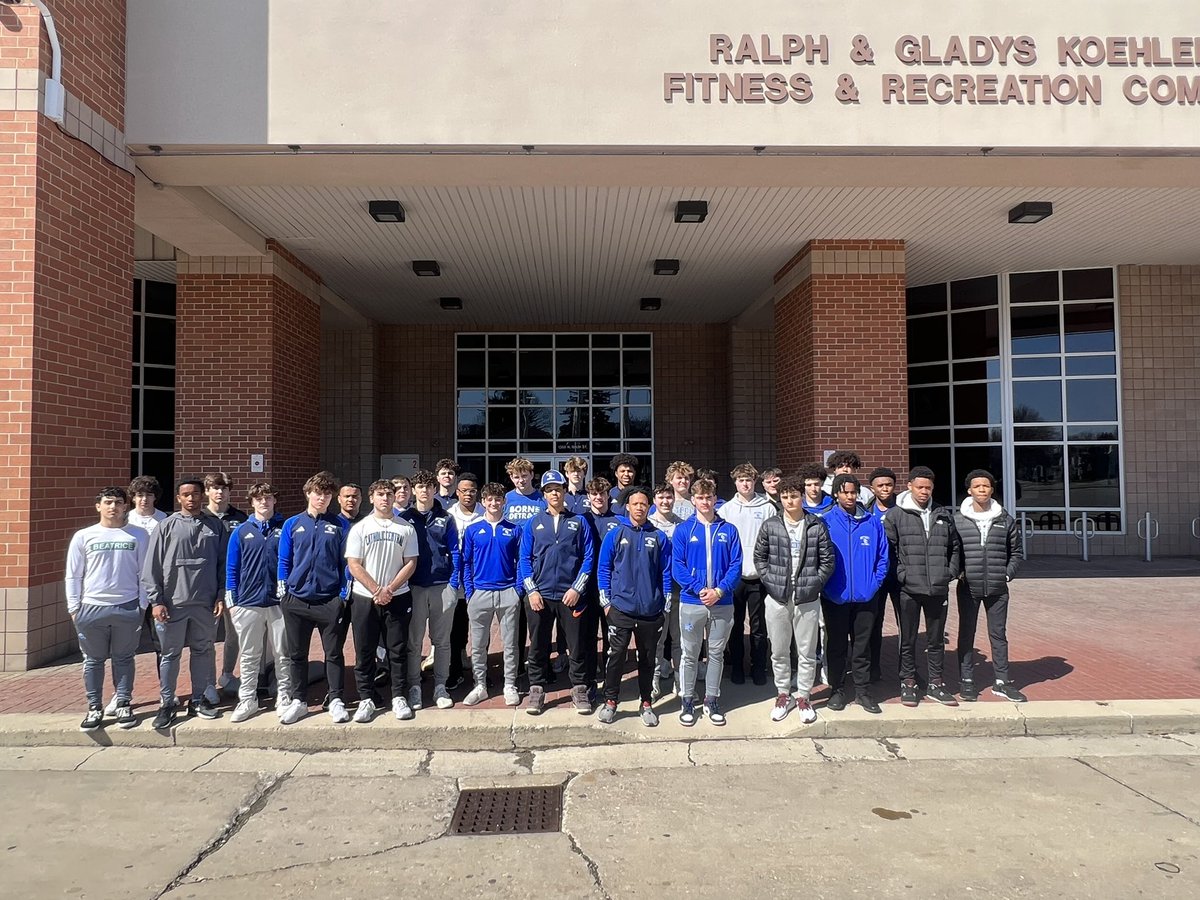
<point x="712" y="709"/>
<point x="687" y="715"/>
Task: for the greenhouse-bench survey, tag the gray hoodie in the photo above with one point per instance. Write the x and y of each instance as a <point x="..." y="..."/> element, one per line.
<point x="185" y="562"/>
<point x="747" y="516"/>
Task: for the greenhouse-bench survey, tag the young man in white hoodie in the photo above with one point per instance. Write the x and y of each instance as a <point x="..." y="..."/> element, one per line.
<point x="747" y="512"/>
<point x="665" y="520"/>
<point x="990" y="557"/>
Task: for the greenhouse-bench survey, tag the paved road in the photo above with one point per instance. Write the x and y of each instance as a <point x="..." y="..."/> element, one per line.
<point x="922" y="817"/>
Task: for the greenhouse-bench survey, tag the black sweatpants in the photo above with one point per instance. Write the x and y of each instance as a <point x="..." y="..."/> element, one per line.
<point x="371" y="623"/>
<point x="996" y="609"/>
<point x="622" y="627"/>
<point x="877" y="632"/>
<point x="848" y="629"/>
<point x="934" y="608"/>
<point x="459" y="631"/>
<point x="577" y="629"/>
<point x="749" y="598"/>
<point x="300" y="617"/>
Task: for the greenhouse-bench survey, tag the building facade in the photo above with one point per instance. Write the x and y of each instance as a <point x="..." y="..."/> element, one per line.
<point x="377" y="231"/>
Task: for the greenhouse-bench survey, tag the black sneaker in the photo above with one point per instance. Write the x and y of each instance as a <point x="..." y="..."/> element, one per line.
<point x="1008" y="691"/>
<point x="712" y="709"/>
<point x="867" y="702"/>
<point x="759" y="678"/>
<point x="166" y="715"/>
<point x="908" y="692"/>
<point x="967" y="692"/>
<point x="737" y="676"/>
<point x="204" y="709"/>
<point x="836" y="701"/>
<point x="125" y="716"/>
<point x="937" y="691"/>
<point x="454" y="680"/>
<point x="93" y="719"/>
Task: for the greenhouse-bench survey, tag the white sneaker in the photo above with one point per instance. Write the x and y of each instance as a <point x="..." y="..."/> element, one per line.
<point x="228" y="685"/>
<point x="808" y="715"/>
<point x="293" y="712"/>
<point x="414" y="696"/>
<point x="282" y="702"/>
<point x="441" y="697"/>
<point x="783" y="705"/>
<point x="478" y="695"/>
<point x="338" y="711"/>
<point x="111" y="709"/>
<point x="512" y="697"/>
<point x="245" y="709"/>
<point x="365" y="712"/>
<point x="401" y="708"/>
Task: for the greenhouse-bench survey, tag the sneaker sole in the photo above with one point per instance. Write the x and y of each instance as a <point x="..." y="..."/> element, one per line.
<point x="445" y="704"/>
<point x="89" y="727"/>
<point x="948" y="702"/>
<point x="686" y="724"/>
<point x="1003" y="696"/>
<point x="125" y="726"/>
<point x="805" y="721"/>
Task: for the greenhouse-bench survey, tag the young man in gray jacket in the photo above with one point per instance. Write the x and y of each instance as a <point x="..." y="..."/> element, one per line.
<point x="183" y="576"/>
<point x="794" y="558"/>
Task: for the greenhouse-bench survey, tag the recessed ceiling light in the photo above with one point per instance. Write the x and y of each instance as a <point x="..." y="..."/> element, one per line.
<point x="386" y="210"/>
<point x="426" y="267"/>
<point x="450" y="303"/>
<point x="650" y="304"/>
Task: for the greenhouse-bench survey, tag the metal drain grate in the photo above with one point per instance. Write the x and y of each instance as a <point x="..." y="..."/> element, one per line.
<point x="525" y="810"/>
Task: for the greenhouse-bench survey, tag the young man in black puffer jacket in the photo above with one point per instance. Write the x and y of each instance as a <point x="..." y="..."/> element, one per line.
<point x="990" y="557"/>
<point x="925" y="548"/>
<point x="794" y="558"/>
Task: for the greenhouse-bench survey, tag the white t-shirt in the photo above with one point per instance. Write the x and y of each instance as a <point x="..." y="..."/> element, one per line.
<point x="796" y="537"/>
<point x="383" y="545"/>
<point x="149" y="523"/>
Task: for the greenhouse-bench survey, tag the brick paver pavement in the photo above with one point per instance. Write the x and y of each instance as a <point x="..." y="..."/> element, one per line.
<point x="1107" y="630"/>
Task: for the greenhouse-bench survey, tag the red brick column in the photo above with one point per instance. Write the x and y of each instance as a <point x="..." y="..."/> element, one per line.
<point x="229" y="406"/>
<point x="66" y="273"/>
<point x="840" y="370"/>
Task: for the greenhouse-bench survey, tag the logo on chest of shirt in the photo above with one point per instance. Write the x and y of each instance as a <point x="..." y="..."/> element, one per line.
<point x="572" y="526"/>
<point x="507" y="532"/>
<point x="694" y="540"/>
<point x="439" y="523"/>
<point x="332" y="529"/>
<point x="540" y="526"/>
<point x="722" y="538"/>
<point x="299" y="529"/>
<point x="248" y="536"/>
<point x="651" y="542"/>
<point x="865" y="540"/>
<point x="624" y="542"/>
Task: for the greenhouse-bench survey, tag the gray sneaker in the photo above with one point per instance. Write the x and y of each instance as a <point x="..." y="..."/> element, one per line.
<point x="649" y="716"/>
<point x="580" y="697"/>
<point x="537" y="700"/>
<point x="608" y="712"/>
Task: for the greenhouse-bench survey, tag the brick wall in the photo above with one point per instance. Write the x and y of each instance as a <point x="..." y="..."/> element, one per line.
<point x="752" y="397"/>
<point x="349" y="437"/>
<point x="833" y="377"/>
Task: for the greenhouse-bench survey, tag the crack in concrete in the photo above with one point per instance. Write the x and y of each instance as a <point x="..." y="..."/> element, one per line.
<point x="891" y="748"/>
<point x="261" y="793"/>
<point x="210" y="759"/>
<point x="89" y="756"/>
<point x="690" y="745"/>
<point x="423" y="765"/>
<point x="1134" y="790"/>
<point x="592" y="866"/>
<point x="820" y="748"/>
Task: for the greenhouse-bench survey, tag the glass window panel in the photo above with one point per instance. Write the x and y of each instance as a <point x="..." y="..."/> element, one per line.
<point x="975" y="334"/>
<point x="503" y="398"/>
<point x="160" y="298"/>
<point x="1047" y="519"/>
<point x="1092" y="400"/>
<point x="158" y="377"/>
<point x="572" y="369"/>
<point x="137" y="293"/>
<point x="938" y="459"/>
<point x="606" y="367"/>
<point x="977" y="370"/>
<point x="929" y="436"/>
<point x="537" y="368"/>
<point x="158" y="409"/>
<point x="642" y="450"/>
<point x="606" y="340"/>
<point x="1034" y="330"/>
<point x="470" y="462"/>
<point x="1088" y="284"/>
<point x="976" y="435"/>
<point x="637" y="398"/>
<point x="1037" y="433"/>
<point x="1038" y="366"/>
<point x="538" y="447"/>
<point x="573" y="421"/>
<point x="160" y="340"/>
<point x="1095" y="475"/>
<point x="573" y="447"/>
<point x="476" y="447"/>
<point x="135" y="375"/>
<point x="135" y="421"/>
<point x="927" y="340"/>
<point x="571" y="398"/>
<point x="506" y="341"/>
<point x="977" y="404"/>
<point x="1039" y="475"/>
<point x="606" y="398"/>
<point x="637" y="368"/>
<point x="605" y="449"/>
<point x="637" y="421"/>
<point x="1092" y="432"/>
<point x="472" y="369"/>
<point x="472" y="422"/>
<point x="135" y="463"/>
<point x="637" y="340"/>
<point x="928" y="298"/>
<point x="495" y="468"/>
<point x="502" y="368"/>
<point x="573" y="341"/>
<point x="928" y="406"/>
<point x="508" y="447"/>
<point x="1037" y="401"/>
<point x="1033" y="287"/>
<point x="968" y="458"/>
<point x="468" y="398"/>
<point x="1091" y="365"/>
<point x="136" y="338"/>
<point x="606" y="422"/>
<point x="161" y="464"/>
<point x="937" y="374"/>
<point x="535" y="398"/>
<point x="501" y="422"/>
<point x="1089" y="327"/>
<point x="156" y="440"/>
<point x="536" y="422"/>
<point x="545" y="341"/>
<point x="471" y="341"/>
<point x="1105" y="520"/>
<point x="974" y="292"/>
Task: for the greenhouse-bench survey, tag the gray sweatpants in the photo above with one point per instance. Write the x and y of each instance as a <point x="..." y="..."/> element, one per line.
<point x="108" y="632"/>
<point x="483" y="605"/>
<point x="696" y="621"/>
<point x="800" y="622"/>
<point x="195" y="627"/>
<point x="433" y="605"/>
<point x="256" y="627"/>
<point x="229" y="650"/>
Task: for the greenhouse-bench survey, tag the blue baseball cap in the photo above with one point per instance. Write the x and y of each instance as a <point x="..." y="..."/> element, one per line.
<point x="554" y="478"/>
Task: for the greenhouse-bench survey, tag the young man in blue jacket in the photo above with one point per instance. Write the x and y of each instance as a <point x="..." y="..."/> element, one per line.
<point x="488" y="575"/>
<point x="816" y="501"/>
<point x="555" y="565"/>
<point x="706" y="563"/>
<point x="634" y="573"/>
<point x="251" y="566"/>
<point x="850" y="600"/>
<point x="312" y="548"/>
<point x="601" y="520"/>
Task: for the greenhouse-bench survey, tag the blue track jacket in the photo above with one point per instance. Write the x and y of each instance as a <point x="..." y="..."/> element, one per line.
<point x="252" y="563"/>
<point x="552" y="562"/>
<point x="860" y="551"/>
<point x="311" y="556"/>
<point x="489" y="556"/>
<point x="437" y="538"/>
<point x="821" y="509"/>
<point x="634" y="570"/>
<point x="706" y="556"/>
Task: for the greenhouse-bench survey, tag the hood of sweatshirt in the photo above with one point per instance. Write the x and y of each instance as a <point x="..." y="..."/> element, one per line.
<point x="756" y="500"/>
<point x="906" y="502"/>
<point x="823" y="507"/>
<point x="983" y="520"/>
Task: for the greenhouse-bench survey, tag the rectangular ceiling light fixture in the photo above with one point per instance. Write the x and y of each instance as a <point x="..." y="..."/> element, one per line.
<point x="651" y="304"/>
<point x="1030" y="212"/>
<point x="426" y="267"/>
<point x="451" y="303"/>
<point x="691" y="211"/>
<point x="386" y="210"/>
<point x="666" y="267"/>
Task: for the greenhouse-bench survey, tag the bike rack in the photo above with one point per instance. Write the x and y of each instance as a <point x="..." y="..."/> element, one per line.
<point x="1084" y="529"/>
<point x="1147" y="530"/>
<point x="1027" y="531"/>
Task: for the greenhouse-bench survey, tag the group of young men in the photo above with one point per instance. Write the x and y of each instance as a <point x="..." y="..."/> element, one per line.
<point x="573" y="565"/>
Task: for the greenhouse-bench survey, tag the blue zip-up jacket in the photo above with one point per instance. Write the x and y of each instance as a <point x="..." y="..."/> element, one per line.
<point x="634" y="570"/>
<point x="519" y="509"/>
<point x="706" y="556"/>
<point x="437" y="538"/>
<point x="821" y="509"/>
<point x="860" y="551"/>
<point x="311" y="556"/>
<point x="552" y="562"/>
<point x="600" y="525"/>
<point x="576" y="503"/>
<point x="252" y="562"/>
<point x="489" y="556"/>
